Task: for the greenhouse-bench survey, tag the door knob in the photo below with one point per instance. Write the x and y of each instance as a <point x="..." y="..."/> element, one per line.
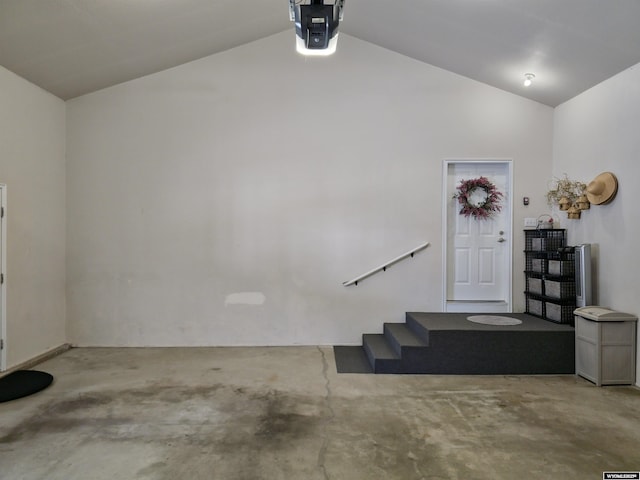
<point x="500" y="240"/>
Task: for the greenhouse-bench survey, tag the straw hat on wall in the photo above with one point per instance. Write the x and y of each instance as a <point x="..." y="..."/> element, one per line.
<point x="602" y="189"/>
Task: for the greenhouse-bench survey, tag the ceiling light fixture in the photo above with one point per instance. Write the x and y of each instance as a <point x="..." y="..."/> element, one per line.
<point x="528" y="79"/>
<point x="316" y="25"/>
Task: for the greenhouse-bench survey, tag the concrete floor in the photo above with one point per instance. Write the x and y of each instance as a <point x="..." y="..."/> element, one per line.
<point x="284" y="413"/>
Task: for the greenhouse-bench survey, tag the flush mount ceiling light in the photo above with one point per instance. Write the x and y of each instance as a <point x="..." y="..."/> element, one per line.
<point x="528" y="79"/>
<point x="316" y="25"/>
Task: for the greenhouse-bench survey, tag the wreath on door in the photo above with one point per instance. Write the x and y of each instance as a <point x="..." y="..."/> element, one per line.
<point x="479" y="198"/>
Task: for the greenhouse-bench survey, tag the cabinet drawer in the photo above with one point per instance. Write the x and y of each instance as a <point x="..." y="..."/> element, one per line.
<point x="535" y="307"/>
<point x="539" y="265"/>
<point x="559" y="313"/>
<point x="534" y="285"/>
<point x="561" y="267"/>
<point x="559" y="289"/>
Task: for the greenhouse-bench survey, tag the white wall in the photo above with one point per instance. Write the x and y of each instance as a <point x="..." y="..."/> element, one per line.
<point x="32" y="165"/>
<point x="225" y="201"/>
<point x="597" y="131"/>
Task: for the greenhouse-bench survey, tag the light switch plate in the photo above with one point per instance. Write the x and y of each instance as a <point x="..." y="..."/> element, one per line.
<point x="530" y="222"/>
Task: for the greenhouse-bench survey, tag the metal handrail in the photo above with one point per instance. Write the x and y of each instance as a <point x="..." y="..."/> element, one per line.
<point x="384" y="266"/>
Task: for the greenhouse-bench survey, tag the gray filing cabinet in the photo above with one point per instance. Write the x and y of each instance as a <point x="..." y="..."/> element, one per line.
<point x="605" y="346"/>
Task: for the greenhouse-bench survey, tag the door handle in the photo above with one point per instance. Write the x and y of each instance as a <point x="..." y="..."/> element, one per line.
<point x="501" y="240"/>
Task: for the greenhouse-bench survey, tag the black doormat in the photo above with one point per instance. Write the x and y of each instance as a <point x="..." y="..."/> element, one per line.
<point x="350" y="359"/>
<point x="21" y="383"/>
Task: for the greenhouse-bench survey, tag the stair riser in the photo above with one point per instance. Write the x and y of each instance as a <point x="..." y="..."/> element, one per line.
<point x="406" y="352"/>
<point x="370" y="356"/>
<point x="388" y="366"/>
<point x="392" y="341"/>
<point x="457" y="352"/>
<point x="418" y="329"/>
<point x="380" y="365"/>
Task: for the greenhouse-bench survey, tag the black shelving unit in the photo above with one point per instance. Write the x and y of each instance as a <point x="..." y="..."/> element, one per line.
<point x="550" y="288"/>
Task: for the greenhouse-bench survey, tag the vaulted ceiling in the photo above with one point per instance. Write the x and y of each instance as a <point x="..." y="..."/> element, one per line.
<point x="73" y="47"/>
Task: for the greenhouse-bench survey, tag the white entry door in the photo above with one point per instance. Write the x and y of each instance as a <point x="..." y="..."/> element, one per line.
<point x="478" y="251"/>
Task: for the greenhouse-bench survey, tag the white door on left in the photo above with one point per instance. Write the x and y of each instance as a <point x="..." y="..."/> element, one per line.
<point x="478" y="259"/>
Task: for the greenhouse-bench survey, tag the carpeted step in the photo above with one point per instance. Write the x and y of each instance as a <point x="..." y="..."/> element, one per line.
<point x="401" y="338"/>
<point x="381" y="356"/>
<point x="458" y="346"/>
<point x="417" y="327"/>
<point x="448" y="343"/>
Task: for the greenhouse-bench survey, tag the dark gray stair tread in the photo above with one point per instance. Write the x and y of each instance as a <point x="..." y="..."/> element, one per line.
<point x="449" y="344"/>
<point x="378" y="346"/>
<point x="403" y="336"/>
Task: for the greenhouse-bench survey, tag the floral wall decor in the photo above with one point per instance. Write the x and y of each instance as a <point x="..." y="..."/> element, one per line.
<point x="478" y="198"/>
<point x="568" y="195"/>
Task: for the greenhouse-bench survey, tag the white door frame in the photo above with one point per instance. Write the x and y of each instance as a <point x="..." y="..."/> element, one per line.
<point x="471" y="307"/>
<point x="3" y="270"/>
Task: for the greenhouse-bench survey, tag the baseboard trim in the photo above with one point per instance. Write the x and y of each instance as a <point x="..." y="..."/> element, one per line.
<point x="43" y="357"/>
